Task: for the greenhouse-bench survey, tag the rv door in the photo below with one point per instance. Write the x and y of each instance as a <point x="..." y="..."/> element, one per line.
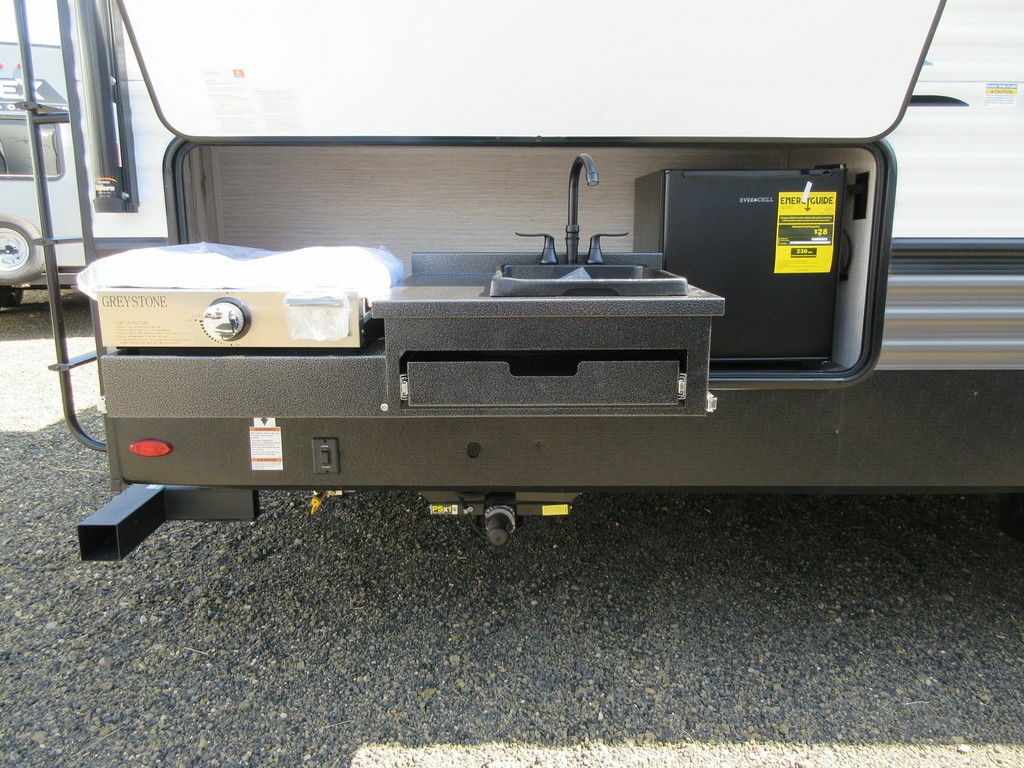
<point x="748" y="69"/>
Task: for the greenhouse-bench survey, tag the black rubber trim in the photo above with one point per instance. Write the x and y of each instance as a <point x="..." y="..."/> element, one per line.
<point x="174" y="189"/>
<point x="937" y="101"/>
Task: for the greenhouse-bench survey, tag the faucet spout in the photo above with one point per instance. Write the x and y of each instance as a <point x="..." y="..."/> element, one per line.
<point x="572" y="228"/>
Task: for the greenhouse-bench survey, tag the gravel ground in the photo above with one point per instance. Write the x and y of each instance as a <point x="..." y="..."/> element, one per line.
<point x="644" y="630"/>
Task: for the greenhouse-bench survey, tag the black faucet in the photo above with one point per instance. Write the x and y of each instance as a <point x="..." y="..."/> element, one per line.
<point x="572" y="228"/>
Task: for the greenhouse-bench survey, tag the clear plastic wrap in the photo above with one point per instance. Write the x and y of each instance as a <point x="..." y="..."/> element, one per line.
<point x="332" y="270"/>
<point x="317" y="317"/>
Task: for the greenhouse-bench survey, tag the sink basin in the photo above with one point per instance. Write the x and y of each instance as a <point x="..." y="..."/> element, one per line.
<point x="598" y="280"/>
<point x="559" y="271"/>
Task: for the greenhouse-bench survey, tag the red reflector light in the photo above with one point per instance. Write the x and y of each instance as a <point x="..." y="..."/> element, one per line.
<point x="150" y="447"/>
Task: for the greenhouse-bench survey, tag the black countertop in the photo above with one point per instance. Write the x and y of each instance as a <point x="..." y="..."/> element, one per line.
<point x="467" y="295"/>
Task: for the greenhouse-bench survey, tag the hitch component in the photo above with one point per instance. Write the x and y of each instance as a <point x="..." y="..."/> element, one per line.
<point x="499" y="522"/>
<point x="1011" y="515"/>
<point x="118" y="527"/>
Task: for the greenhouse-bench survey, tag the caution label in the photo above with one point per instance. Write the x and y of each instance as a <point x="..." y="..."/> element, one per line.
<point x="1001" y="94"/>
<point x="265" y="445"/>
<point x="805" y="233"/>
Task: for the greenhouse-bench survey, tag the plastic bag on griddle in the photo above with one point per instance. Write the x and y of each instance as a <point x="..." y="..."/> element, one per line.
<point x="369" y="272"/>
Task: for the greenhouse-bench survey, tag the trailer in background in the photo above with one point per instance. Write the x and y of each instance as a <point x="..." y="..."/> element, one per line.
<point x="125" y="145"/>
<point x="21" y="259"/>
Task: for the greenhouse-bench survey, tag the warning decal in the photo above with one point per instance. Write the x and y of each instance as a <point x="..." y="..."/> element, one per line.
<point x="265" y="445"/>
<point x="1001" y="94"/>
<point x="805" y="233"/>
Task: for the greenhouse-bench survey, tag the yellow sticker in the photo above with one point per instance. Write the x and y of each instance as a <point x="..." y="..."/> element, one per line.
<point x="554" y="509"/>
<point x="805" y="233"/>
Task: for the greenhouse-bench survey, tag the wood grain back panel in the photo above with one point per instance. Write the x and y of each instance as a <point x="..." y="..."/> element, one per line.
<point x="435" y="198"/>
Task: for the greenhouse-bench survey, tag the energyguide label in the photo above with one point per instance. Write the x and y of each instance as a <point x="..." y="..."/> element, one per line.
<point x="805" y="232"/>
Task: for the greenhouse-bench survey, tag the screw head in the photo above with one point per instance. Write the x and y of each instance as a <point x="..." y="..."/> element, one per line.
<point x="383" y="406"/>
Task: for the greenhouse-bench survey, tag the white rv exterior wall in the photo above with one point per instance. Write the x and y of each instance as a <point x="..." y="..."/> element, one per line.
<point x="961" y="169"/>
<point x="961" y="175"/>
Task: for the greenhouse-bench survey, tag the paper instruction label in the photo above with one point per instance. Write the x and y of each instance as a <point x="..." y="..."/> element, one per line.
<point x="265" y="451"/>
<point x="1001" y="94"/>
<point x="805" y="232"/>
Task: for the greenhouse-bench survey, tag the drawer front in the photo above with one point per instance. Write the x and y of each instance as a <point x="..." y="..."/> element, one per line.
<point x="492" y="383"/>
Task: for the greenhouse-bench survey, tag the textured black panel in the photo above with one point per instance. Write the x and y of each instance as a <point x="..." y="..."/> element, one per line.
<point x="907" y="429"/>
<point x="221" y="386"/>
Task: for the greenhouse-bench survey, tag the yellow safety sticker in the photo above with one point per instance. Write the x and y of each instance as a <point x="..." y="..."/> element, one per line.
<point x="805" y="234"/>
<point x="444" y="509"/>
<point x="554" y="509"/>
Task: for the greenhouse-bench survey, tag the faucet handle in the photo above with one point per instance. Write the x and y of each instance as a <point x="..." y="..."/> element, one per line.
<point x="594" y="255"/>
<point x="548" y="255"/>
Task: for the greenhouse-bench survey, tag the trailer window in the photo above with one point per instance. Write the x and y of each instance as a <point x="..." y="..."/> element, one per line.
<point x="16" y="155"/>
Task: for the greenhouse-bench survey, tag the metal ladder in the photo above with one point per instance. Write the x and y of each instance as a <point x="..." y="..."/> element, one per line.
<point x="114" y="530"/>
<point x="37" y="115"/>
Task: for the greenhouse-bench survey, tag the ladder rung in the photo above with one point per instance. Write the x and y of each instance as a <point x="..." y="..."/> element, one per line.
<point x="74" y="362"/>
<point x="56" y="240"/>
<point x="41" y="113"/>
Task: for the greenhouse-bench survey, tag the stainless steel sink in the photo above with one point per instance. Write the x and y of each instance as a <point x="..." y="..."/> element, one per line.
<point x="585" y="280"/>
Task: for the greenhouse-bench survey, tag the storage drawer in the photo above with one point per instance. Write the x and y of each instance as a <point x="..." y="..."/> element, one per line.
<point x="569" y="382"/>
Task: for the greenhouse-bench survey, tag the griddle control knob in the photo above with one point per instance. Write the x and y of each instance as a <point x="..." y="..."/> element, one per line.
<point x="226" y="320"/>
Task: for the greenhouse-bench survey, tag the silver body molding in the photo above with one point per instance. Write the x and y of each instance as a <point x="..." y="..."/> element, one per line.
<point x="953" y="321"/>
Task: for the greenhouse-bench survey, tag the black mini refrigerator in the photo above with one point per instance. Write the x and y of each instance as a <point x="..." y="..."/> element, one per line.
<point x="769" y="241"/>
